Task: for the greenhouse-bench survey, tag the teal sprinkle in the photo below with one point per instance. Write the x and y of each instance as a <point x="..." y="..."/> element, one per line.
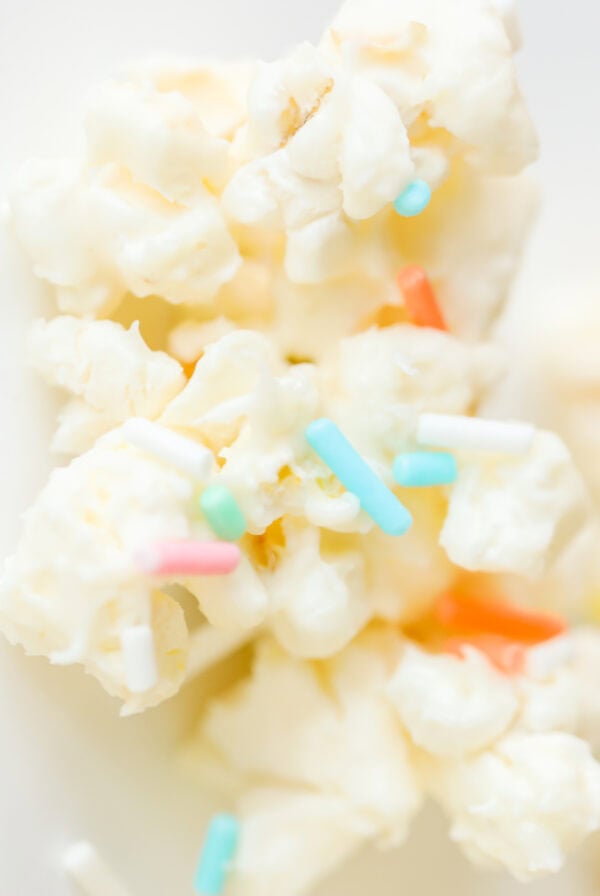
<point x="219" y="848"/>
<point x="414" y="199"/>
<point x="356" y="475"/>
<point x="421" y="468"/>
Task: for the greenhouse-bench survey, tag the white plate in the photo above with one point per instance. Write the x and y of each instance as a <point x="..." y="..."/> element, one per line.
<point x="69" y="767"/>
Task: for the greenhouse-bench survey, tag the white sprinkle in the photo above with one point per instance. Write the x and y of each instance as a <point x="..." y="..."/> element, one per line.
<point x="139" y="658"/>
<point x="186" y="455"/>
<point x="209" y="645"/>
<point x="473" y="434"/>
<point x="88" y="870"/>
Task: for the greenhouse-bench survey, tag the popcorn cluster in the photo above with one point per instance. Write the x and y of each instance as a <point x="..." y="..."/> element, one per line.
<point x="335" y="754"/>
<point x="224" y="260"/>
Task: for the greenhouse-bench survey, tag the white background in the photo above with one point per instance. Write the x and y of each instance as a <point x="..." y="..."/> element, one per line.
<point x="69" y="768"/>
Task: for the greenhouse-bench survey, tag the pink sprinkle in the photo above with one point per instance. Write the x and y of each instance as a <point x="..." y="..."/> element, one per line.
<point x="190" y="558"/>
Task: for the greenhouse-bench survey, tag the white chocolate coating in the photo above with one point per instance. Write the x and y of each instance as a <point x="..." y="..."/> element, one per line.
<point x="494" y="768"/>
<point x="242" y="216"/>
<point x="515" y="515"/>
<point x="110" y="372"/>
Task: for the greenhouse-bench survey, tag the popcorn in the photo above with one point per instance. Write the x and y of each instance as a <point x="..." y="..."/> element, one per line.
<point x="452" y="707"/>
<point x="321" y="614"/>
<point x="442" y="74"/>
<point x="333" y="308"/>
<point x="252" y="410"/>
<point x="71" y="588"/>
<point x="311" y="159"/>
<point x="405" y="574"/>
<point x="327" y="606"/>
<point x="510" y="20"/>
<point x="188" y="340"/>
<point x="217" y="91"/>
<point x="586" y="665"/>
<point x="310" y="121"/>
<point x="522" y="805"/>
<point x="553" y="704"/>
<point x="159" y="137"/>
<point x="96" y="234"/>
<point x="520" y="791"/>
<point x="409" y="369"/>
<point x="278" y="734"/>
<point x="246" y="217"/>
<point x="284" y="726"/>
<point x="237" y="601"/>
<point x="515" y="515"/>
<point x="111" y="372"/>
<point x="470" y="241"/>
<point x="225" y="378"/>
<point x="312" y="167"/>
<point x="291" y="839"/>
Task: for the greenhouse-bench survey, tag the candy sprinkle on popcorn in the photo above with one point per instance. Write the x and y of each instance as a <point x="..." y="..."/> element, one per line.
<point x="275" y="288"/>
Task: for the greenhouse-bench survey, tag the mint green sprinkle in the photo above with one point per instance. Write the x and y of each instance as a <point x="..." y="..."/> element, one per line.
<point x="222" y="512"/>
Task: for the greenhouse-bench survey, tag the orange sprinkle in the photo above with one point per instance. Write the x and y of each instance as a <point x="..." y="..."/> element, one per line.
<point x="470" y="615"/>
<point x="419" y="298"/>
<point x="506" y="655"/>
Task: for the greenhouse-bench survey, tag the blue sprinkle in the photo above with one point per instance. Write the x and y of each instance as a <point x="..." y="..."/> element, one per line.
<point x="218" y="850"/>
<point x="425" y="468"/>
<point x="356" y="475"/>
<point x="414" y="199"/>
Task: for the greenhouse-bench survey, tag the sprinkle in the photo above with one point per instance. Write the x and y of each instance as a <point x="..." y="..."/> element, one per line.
<point x="472" y="434"/>
<point x="425" y="468"/>
<point x="180" y="452"/>
<point x="356" y="475"/>
<point x="88" y="870"/>
<point x="188" y="557"/>
<point x="468" y="614"/>
<point x="506" y="655"/>
<point x="419" y="298"/>
<point x="222" y="512"/>
<point x="219" y="848"/>
<point x="209" y="645"/>
<point x="414" y="199"/>
<point x="139" y="658"/>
